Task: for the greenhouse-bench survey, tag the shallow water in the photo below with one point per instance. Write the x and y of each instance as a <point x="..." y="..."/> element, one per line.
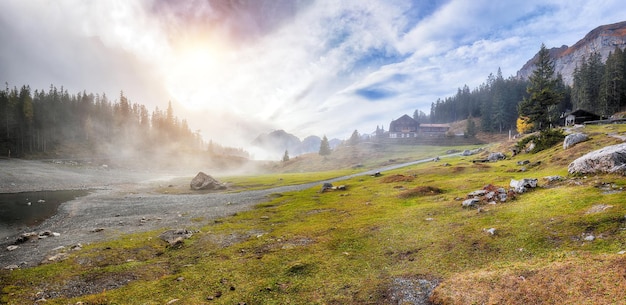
<point x="31" y="208"/>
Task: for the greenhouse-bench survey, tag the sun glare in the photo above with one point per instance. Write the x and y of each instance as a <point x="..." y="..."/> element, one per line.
<point x="193" y="75"/>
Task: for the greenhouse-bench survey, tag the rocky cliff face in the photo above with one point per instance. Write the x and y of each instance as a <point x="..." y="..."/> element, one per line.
<point x="602" y="39"/>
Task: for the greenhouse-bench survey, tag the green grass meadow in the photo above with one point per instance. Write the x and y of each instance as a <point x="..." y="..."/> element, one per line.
<point x="347" y="247"/>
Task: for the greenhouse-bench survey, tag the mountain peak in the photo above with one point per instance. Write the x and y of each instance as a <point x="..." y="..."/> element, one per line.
<point x="602" y="39"/>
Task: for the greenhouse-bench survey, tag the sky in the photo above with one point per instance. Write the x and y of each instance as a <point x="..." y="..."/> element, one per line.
<point x="236" y="69"/>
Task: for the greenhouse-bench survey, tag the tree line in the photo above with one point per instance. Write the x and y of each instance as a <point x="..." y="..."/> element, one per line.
<point x="43" y="123"/>
<point x="598" y="87"/>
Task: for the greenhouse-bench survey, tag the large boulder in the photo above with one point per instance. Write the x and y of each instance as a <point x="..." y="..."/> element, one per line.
<point x="611" y="159"/>
<point x="573" y="139"/>
<point x="203" y="181"/>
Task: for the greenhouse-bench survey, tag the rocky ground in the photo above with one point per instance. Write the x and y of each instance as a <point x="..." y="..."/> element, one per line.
<point x="121" y="202"/>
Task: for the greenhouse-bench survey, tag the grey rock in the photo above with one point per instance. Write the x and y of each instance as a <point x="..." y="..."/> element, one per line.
<point x="573" y="139"/>
<point x="203" y="181"/>
<point x="470" y="203"/>
<point x="553" y="178"/>
<point x="496" y="156"/>
<point x="520" y="186"/>
<point x="477" y="193"/>
<point x="610" y="159"/>
<point x="175" y="237"/>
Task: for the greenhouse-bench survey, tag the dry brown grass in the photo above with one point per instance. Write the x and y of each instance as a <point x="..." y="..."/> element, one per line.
<point x="396" y="178"/>
<point x="586" y="279"/>
<point x="421" y="191"/>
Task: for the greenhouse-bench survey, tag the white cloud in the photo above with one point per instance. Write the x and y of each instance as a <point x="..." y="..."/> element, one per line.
<point x="309" y="67"/>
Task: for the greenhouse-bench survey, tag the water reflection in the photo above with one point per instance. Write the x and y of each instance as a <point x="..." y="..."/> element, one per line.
<point x="32" y="208"/>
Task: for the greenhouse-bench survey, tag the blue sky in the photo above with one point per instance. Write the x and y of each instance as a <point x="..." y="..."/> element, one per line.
<point x="308" y="67"/>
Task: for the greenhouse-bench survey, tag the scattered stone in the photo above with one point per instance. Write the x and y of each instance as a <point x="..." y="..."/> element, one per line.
<point x="470" y="202"/>
<point x="326" y="186"/>
<point x="477" y="193"/>
<point x="55" y="258"/>
<point x="203" y="181"/>
<point x="598" y="208"/>
<point x="610" y="159"/>
<point x="589" y="237"/>
<point x="491" y="231"/>
<point x="12" y="247"/>
<point x="11" y="267"/>
<point x="573" y="139"/>
<point x="520" y="186"/>
<point x="524" y="162"/>
<point x="553" y="178"/>
<point x="377" y="174"/>
<point x="175" y="237"/>
<point x="468" y="152"/>
<point x="96" y="230"/>
<point x="24" y="237"/>
<point x="621" y="252"/>
<point x="496" y="156"/>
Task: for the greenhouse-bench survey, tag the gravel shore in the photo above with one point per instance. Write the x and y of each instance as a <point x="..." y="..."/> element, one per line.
<point x="120" y="202"/>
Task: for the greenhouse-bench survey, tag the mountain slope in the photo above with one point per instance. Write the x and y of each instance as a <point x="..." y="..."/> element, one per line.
<point x="602" y="39"/>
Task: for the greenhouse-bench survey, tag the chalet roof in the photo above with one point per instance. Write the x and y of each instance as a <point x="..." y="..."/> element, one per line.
<point x="583" y="113"/>
<point x="405" y="118"/>
<point x="435" y="125"/>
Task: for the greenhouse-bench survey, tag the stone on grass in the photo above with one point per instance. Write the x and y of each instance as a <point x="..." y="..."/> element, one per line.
<point x="496" y="156"/>
<point x="470" y="203"/>
<point x="573" y="139"/>
<point x="520" y="186"/>
<point x="610" y="159"/>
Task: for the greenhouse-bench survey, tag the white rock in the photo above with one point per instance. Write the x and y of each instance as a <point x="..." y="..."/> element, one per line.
<point x="573" y="139"/>
<point x="11" y="267"/>
<point x="12" y="247"/>
<point x="589" y="238"/>
<point x="610" y="159"/>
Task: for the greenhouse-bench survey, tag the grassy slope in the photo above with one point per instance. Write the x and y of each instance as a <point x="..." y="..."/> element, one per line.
<point x="347" y="247"/>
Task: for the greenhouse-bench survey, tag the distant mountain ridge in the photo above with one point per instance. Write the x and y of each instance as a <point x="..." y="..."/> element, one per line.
<point x="278" y="141"/>
<point x="602" y="39"/>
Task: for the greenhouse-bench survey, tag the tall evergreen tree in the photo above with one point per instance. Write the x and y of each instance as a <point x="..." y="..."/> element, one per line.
<point x="612" y="88"/>
<point x="542" y="88"/>
<point x="324" y="147"/>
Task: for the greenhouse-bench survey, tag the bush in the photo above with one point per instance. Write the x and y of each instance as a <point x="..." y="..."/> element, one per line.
<point x="543" y="140"/>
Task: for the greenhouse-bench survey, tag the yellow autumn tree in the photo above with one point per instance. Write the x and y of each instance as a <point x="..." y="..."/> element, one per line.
<point x="524" y="125"/>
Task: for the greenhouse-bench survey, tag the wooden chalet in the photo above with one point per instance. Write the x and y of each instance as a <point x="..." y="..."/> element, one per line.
<point x="407" y="127"/>
<point x="579" y="116"/>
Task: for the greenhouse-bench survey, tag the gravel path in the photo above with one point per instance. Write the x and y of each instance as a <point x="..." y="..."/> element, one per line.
<point x="117" y="206"/>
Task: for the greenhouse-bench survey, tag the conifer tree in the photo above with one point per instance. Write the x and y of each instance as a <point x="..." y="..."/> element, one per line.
<point x="542" y="90"/>
<point x="324" y="147"/>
